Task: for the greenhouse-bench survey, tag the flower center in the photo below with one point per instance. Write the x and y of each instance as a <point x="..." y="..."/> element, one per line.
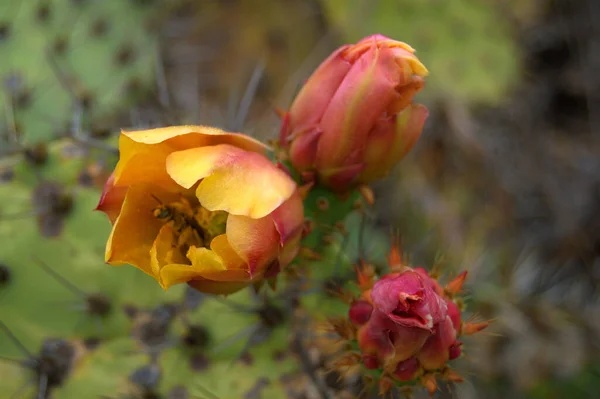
<point x="192" y="224"/>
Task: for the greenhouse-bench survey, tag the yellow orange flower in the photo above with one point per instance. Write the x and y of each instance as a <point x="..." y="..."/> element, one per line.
<point x="199" y="205"/>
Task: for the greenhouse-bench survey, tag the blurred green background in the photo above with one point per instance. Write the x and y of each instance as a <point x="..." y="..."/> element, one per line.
<point x="504" y="182"/>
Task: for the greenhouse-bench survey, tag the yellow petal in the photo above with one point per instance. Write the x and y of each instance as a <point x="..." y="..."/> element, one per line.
<point x="141" y="163"/>
<point x="143" y="152"/>
<point x="235" y="181"/>
<point x="189" y="136"/>
<point x="222" y="247"/>
<point x="188" y="166"/>
<point x="136" y="228"/>
<point x="205" y="261"/>
<point x="220" y="263"/>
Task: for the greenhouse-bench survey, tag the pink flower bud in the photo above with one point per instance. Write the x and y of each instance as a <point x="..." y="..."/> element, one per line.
<point x="360" y="312"/>
<point x="354" y="119"/>
<point x="409" y="299"/>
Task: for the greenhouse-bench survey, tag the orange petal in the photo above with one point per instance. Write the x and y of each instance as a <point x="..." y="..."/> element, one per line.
<point x="143" y="153"/>
<point x="235" y="181"/>
<point x="111" y="199"/>
<point x="136" y="228"/>
<point x="256" y="241"/>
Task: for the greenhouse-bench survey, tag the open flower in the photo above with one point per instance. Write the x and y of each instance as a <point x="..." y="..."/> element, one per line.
<point x="199" y="205"/>
<point x="354" y="118"/>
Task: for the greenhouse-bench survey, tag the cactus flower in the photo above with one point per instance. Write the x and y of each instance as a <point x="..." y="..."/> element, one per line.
<point x="199" y="205"/>
<point x="354" y="118"/>
<point x="406" y="325"/>
<point x="408" y="299"/>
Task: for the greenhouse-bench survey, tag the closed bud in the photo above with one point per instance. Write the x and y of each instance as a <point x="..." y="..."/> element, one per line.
<point x="354" y="118"/>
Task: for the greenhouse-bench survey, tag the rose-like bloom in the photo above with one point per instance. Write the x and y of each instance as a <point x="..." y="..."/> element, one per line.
<point x="199" y="205"/>
<point x="407" y="310"/>
<point x="354" y="119"/>
<point x="409" y="299"/>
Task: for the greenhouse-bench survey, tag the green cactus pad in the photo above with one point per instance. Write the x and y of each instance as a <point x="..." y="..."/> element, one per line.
<point x="48" y="54"/>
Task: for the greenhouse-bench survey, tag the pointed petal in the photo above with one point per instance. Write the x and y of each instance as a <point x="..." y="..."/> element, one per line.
<point x="111" y="199"/>
<point x="236" y="181"/>
<point x="390" y="140"/>
<point x="363" y="96"/>
<point x="314" y="97"/>
<point x="303" y="149"/>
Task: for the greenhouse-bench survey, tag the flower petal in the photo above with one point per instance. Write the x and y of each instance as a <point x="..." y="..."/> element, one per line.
<point x="236" y="181"/>
<point x="143" y="153"/>
<point x="136" y="228"/>
<point x="189" y="136"/>
<point x="364" y="95"/>
<point x="390" y="140"/>
<point x="436" y="351"/>
<point x="303" y="149"/>
<point x="163" y="253"/>
<point x="220" y="264"/>
<point x="256" y="241"/>
<point x="314" y="97"/>
<point x="111" y="199"/>
<point x="289" y="217"/>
